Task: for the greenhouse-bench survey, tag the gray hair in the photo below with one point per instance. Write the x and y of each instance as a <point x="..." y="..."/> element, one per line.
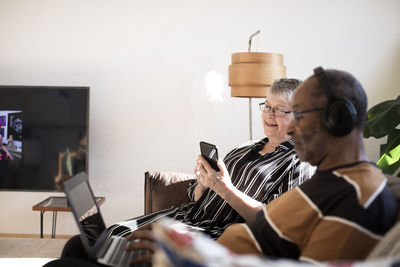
<point x="284" y="87"/>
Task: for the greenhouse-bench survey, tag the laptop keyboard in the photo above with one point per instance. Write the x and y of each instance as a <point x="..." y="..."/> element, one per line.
<point x="113" y="252"/>
<point x="104" y="248"/>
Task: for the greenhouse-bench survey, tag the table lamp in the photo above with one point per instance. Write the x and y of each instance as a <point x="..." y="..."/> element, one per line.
<point x="252" y="73"/>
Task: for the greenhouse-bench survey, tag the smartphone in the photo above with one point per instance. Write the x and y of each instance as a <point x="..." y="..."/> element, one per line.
<point x="210" y="153"/>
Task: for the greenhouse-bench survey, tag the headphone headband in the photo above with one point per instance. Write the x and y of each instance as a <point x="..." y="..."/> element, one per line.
<point x="319" y="73"/>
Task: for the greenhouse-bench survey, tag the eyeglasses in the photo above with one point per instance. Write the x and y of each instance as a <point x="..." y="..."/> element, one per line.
<point x="297" y="114"/>
<point x="276" y="111"/>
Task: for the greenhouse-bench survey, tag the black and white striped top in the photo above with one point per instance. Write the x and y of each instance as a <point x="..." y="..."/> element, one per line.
<point x="262" y="177"/>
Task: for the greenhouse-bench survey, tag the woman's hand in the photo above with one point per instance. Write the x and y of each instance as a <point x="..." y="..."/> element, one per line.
<point x="219" y="181"/>
<point x="201" y="182"/>
<point x="201" y="185"/>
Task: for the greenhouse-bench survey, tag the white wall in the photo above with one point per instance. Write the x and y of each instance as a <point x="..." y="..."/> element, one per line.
<point x="146" y="63"/>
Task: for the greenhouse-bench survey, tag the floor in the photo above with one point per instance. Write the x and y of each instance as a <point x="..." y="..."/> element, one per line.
<point x="29" y="251"/>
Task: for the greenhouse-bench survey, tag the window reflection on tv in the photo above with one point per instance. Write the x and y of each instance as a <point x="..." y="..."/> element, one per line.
<point x="43" y="136"/>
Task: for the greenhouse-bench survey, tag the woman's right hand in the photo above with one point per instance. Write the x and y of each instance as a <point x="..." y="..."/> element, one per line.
<point x="201" y="185"/>
<point x="200" y="181"/>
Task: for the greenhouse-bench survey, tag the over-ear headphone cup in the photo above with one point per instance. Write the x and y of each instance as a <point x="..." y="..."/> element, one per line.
<point x="339" y="117"/>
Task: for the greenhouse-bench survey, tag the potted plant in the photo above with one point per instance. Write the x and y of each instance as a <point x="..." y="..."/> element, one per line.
<point x="382" y="120"/>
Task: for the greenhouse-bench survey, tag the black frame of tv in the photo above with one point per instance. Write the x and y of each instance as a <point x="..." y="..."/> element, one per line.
<point x="50" y="136"/>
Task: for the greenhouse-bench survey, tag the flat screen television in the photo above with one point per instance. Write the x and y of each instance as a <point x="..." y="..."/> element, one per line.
<point x="44" y="134"/>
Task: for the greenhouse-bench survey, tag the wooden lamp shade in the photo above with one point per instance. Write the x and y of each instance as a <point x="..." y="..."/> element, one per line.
<point x="252" y="73"/>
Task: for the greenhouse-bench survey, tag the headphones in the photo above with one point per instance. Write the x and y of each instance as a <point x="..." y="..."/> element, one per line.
<point x="339" y="115"/>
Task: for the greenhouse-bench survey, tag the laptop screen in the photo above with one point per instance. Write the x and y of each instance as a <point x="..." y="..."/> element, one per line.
<point x="85" y="209"/>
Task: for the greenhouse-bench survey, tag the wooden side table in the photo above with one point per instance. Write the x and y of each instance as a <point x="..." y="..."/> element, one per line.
<point x="56" y="204"/>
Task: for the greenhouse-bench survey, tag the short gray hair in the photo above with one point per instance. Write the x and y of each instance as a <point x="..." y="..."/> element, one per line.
<point x="284" y="87"/>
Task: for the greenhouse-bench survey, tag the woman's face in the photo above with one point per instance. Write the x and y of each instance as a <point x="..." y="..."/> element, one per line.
<point x="276" y="127"/>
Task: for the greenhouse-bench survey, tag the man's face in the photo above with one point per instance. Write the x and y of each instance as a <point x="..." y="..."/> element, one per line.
<point x="307" y="130"/>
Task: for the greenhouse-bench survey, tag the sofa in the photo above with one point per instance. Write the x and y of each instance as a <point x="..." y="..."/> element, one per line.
<point x="166" y="189"/>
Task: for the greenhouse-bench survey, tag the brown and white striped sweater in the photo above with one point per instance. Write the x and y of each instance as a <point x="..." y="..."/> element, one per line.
<point x="338" y="214"/>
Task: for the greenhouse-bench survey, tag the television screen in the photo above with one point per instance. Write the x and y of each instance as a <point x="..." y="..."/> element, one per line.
<point x="43" y="136"/>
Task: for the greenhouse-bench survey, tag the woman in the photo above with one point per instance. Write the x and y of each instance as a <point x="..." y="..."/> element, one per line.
<point x="260" y="172"/>
<point x="251" y="176"/>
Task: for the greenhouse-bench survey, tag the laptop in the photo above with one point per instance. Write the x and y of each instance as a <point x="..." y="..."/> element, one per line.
<point x="107" y="250"/>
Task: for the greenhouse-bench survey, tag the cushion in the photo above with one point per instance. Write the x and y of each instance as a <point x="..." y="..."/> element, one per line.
<point x="389" y="245"/>
<point x="166" y="189"/>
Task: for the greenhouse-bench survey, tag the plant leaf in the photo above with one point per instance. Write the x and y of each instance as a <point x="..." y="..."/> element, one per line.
<point x="390" y="161"/>
<point x="393" y="135"/>
<point x="382" y="118"/>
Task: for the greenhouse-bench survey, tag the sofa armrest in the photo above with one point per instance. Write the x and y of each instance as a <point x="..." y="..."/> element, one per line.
<point x="165" y="189"/>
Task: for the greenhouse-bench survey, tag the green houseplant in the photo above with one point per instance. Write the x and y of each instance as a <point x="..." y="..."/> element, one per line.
<point x="382" y="120"/>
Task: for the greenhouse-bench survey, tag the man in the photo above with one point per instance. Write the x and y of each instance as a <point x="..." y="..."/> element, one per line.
<point x="346" y="207"/>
